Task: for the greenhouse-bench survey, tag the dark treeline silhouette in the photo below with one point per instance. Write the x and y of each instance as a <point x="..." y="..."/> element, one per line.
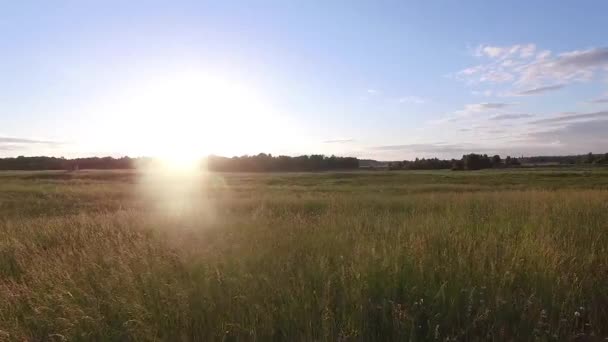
<point x="53" y="163"/>
<point x="258" y="163"/>
<point x="588" y="158"/>
<point x="266" y="162"/>
<point x="421" y="164"/>
<point x="470" y="161"/>
<point x="474" y="161"/>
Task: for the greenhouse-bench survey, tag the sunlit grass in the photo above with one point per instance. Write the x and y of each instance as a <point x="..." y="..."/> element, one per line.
<point x="307" y="257"/>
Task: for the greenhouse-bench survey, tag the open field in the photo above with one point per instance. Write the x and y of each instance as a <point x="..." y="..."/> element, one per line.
<point x="497" y="254"/>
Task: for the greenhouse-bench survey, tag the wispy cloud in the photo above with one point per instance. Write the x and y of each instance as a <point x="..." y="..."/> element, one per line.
<point x="600" y="100"/>
<point x="487" y="105"/>
<point x="503" y="52"/>
<point x="481" y="108"/>
<point x="500" y="117"/>
<point x="470" y="110"/>
<point x="540" y="90"/>
<point x="573" y="117"/>
<point x="8" y="147"/>
<point x="431" y="147"/>
<point x="15" y="144"/>
<point x="575" y="137"/>
<point x="534" y="72"/>
<point x="12" y="140"/>
<point x="440" y="148"/>
<point x="372" y="91"/>
<point x="578" y="65"/>
<point x="338" y="141"/>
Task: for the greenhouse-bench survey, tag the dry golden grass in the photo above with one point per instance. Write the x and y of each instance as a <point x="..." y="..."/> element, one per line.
<point x="411" y="256"/>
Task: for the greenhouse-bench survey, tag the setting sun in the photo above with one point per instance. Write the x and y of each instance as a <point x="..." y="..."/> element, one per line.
<point x="185" y="116"/>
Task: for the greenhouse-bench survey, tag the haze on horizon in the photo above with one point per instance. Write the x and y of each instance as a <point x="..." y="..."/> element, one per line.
<point x="390" y="80"/>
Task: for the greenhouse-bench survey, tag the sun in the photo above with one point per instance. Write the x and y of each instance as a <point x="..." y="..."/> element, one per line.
<point x="183" y="117"/>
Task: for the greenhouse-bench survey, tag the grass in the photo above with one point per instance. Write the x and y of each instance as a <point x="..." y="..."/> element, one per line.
<point x="499" y="255"/>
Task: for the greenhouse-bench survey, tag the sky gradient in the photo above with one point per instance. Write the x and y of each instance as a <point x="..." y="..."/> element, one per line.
<point x="387" y="80"/>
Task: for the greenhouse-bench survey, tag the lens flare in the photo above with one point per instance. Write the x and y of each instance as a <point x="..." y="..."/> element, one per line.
<point x="176" y="189"/>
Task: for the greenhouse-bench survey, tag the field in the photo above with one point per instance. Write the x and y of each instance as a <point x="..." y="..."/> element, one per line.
<point x="438" y="255"/>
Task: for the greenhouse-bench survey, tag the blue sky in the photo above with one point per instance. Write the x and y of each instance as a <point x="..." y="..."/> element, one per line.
<point x="378" y="79"/>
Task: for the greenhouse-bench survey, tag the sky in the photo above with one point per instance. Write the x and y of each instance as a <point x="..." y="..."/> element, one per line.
<point x="387" y="80"/>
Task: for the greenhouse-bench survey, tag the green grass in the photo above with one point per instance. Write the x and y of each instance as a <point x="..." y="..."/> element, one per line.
<point x="498" y="254"/>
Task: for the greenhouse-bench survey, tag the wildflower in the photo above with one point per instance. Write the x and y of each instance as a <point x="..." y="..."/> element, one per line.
<point x="577" y="314"/>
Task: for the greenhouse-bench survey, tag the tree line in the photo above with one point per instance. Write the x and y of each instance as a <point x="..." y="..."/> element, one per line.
<point x="317" y="162"/>
<point x="266" y="162"/>
<point x="257" y="163"/>
<point x="473" y="161"/>
<point x="470" y="161"/>
<point x="54" y="163"/>
<point x="588" y="158"/>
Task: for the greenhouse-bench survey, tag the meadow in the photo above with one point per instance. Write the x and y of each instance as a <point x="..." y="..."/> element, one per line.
<point x="497" y="255"/>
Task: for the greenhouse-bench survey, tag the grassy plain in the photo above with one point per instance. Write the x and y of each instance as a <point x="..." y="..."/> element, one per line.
<point x="437" y="255"/>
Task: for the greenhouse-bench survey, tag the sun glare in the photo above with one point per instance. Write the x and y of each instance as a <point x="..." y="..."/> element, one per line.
<point x="185" y="117"/>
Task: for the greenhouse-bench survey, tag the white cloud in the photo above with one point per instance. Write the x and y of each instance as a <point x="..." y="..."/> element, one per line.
<point x="491" y="51"/>
<point x="543" y="55"/>
<point x="530" y="72"/>
<point x="601" y="100"/>
<point x="25" y="145"/>
<point x="486" y="106"/>
<point x="499" y="117"/>
<point x="496" y="76"/>
<point x="527" y="51"/>
<point x="440" y="148"/>
<point x="579" y="65"/>
<point x="503" y="52"/>
<point x="339" y="141"/>
<point x="471" y="110"/>
<point x="471" y="70"/>
<point x="570" y="117"/>
<point x="575" y="136"/>
<point x="12" y="140"/>
<point x="540" y="90"/>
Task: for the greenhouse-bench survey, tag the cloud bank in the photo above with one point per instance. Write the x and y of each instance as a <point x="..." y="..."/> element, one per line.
<point x="530" y="71"/>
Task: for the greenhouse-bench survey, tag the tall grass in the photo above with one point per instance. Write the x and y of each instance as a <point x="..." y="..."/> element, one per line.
<point x="276" y="263"/>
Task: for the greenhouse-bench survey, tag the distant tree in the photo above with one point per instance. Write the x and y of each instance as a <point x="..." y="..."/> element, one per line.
<point x="395" y="166"/>
<point x="511" y="161"/>
<point x="602" y="160"/>
<point x="476" y="161"/>
<point x="496" y="162"/>
<point x="457" y="165"/>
